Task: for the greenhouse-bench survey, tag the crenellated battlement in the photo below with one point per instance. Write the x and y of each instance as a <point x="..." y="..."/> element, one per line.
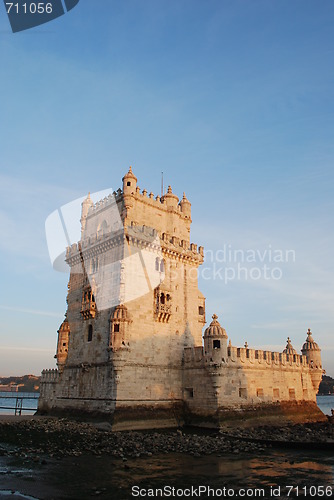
<point x="138" y="235"/>
<point x="165" y="203"/>
<point x="250" y="357"/>
<point x="244" y="357"/>
<point x="49" y="376"/>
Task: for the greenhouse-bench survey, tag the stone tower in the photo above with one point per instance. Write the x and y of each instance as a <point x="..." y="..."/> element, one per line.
<point x="133" y="303"/>
<point x="312" y="351"/>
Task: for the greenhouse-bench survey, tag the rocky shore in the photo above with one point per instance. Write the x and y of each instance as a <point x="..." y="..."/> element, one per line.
<point x="63" y="437"/>
<point x="310" y="435"/>
<point x="38" y="438"/>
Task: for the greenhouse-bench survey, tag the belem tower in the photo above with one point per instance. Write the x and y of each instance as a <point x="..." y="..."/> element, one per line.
<point x="131" y="348"/>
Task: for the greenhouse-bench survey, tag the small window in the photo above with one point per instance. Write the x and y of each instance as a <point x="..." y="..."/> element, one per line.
<point x="90" y="333"/>
<point x="189" y="392"/>
<point x="259" y="393"/>
<point x="276" y="393"/>
<point x="243" y="393"/>
<point x="157" y="264"/>
<point x="64" y="344"/>
<point x="201" y="310"/>
<point x="128" y="183"/>
<point x="292" y="394"/>
<point x="216" y="344"/>
<point x="116" y="327"/>
<point x="162" y="266"/>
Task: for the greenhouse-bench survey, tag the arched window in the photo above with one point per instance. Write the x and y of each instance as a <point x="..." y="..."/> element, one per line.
<point x="90" y="333"/>
<point x="162" y="266"/>
<point x="201" y="310"/>
<point x="162" y="298"/>
<point x="157" y="264"/>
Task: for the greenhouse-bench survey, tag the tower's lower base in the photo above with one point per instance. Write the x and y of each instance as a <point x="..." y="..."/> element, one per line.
<point x="275" y="414"/>
<point x="177" y="414"/>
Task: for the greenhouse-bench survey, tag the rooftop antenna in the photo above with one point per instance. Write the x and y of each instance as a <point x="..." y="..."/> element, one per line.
<point x="162" y="184"/>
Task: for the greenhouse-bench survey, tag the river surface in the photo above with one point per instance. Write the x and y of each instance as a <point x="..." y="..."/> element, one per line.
<point x="270" y="474"/>
<point x="8" y="402"/>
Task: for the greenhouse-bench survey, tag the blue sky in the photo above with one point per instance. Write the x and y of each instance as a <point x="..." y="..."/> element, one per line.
<point x="233" y="100"/>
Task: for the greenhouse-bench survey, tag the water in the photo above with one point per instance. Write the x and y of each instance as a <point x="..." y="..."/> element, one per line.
<point x="8" y="400"/>
<point x="326" y="403"/>
<point x="84" y="477"/>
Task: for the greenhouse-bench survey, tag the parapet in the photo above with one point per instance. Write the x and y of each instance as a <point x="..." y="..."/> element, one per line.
<point x="49" y="376"/>
<point x="244" y="356"/>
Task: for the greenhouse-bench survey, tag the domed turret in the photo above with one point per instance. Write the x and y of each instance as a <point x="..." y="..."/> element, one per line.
<point x="309" y="344"/>
<point x="62" y="344"/>
<point x="289" y="348"/>
<point x="170" y="198"/>
<point x="129" y="182"/>
<point x="312" y="351"/>
<point x="215" y="329"/>
<point x="215" y="336"/>
<point x="185" y="206"/>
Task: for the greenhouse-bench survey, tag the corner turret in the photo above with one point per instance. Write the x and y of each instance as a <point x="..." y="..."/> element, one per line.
<point x="185" y="207"/>
<point x="170" y="199"/>
<point x="129" y="182"/>
<point x="289" y="348"/>
<point x="62" y="344"/>
<point x="312" y="351"/>
<point x="215" y="339"/>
